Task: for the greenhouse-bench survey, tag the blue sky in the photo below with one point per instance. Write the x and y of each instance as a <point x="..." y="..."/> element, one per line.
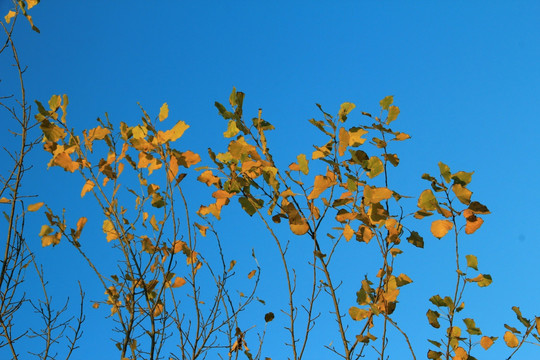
<point x="464" y="74"/>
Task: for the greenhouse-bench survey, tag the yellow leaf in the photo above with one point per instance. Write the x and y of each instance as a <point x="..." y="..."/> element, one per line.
<point x="393" y="112"/>
<point x="178" y="282"/>
<point x="97" y="133"/>
<point x="297" y="223"/>
<point x="322" y="183"/>
<point x="462" y="193"/>
<point x="511" y="339"/>
<point x="345" y="109"/>
<point x="348" y="232"/>
<point x="187" y="158"/>
<point x="177" y="131"/>
<point x="460" y="354"/>
<point x="36" y="206"/>
<point x="32" y="3"/>
<point x="4" y="200"/>
<point x="64" y="161"/>
<point x="343" y="141"/>
<point x="401" y="136"/>
<point x="303" y="163"/>
<point x="473" y="221"/>
<point x="374" y="195"/>
<point x="163" y="112"/>
<point x="486" y="342"/>
<point x="153" y="222"/>
<point x="208" y="178"/>
<point x="9" y="16"/>
<point x="358" y="314"/>
<point x="232" y="129"/>
<point x="440" y="228"/>
<point x="355" y="136"/>
<point x="158" y="309"/>
<point x="88" y="186"/>
<point x="95" y="305"/>
<point x="202" y="229"/>
<point x="251" y="274"/>
<point x="108" y="229"/>
<point x="80" y="223"/>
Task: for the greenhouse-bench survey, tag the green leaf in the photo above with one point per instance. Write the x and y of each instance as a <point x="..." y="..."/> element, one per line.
<point x="232" y="129"/>
<point x="427" y="200"/>
<point x="303" y="163"/>
<point x="472" y="262"/>
<point x="471" y="327"/>
<point x="223" y="112"/>
<point x="416" y="239"/>
<point x="462" y="177"/>
<point x="374" y="166"/>
<point x="393" y="112"/>
<point x="445" y="172"/>
<point x="433" y="318"/>
<point x="437" y="301"/>
<point x="521" y="319"/>
<point x="386" y="102"/>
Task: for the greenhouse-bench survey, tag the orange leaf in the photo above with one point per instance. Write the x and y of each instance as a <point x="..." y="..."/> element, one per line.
<point x="511" y="339"/>
<point x="486" y="342"/>
<point x="348" y="232"/>
<point x="251" y="274"/>
<point x="35" y="207"/>
<point x="440" y="228"/>
<point x="88" y="186"/>
<point x="178" y="282"/>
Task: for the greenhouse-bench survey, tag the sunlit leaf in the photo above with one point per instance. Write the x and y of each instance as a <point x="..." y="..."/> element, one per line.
<point x="176" y="132"/>
<point x="374" y="167"/>
<point x="163" y="112"/>
<point x="462" y="193"/>
<point x="358" y="314"/>
<point x="472" y="261"/>
<point x="36" y="206"/>
<point x="462" y="177"/>
<point x="355" y="136"/>
<point x="52" y="132"/>
<point x="343" y="141"/>
<point x="9" y="16"/>
<point x="445" y="172"/>
<point x="251" y="274"/>
<point x="348" y="232"/>
<point x="64" y="161"/>
<point x="375" y="195"/>
<point x="88" y="186"/>
<point x="208" y="178"/>
<point x="344" y="110"/>
<point x="393" y="112"/>
<point x="427" y="200"/>
<point x="440" y="228"/>
<point x="403" y="280"/>
<point x="302" y="163"/>
<point x="473" y="222"/>
<point x="202" y="229"/>
<point x="109" y="230"/>
<point x="486" y="342"/>
<point x="401" y="136"/>
<point x="232" y="129"/>
<point x="482" y="280"/>
<point x="321" y="184"/>
<point x="510" y="339"/>
<point x="386" y="102"/>
<point x="178" y="282"/>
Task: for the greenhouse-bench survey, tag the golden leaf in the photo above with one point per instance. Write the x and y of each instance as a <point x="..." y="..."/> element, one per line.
<point x="486" y="342"/>
<point x="88" y="186"/>
<point x="158" y="309"/>
<point x="473" y="221"/>
<point x="460" y="354"/>
<point x="343" y="141"/>
<point x="32" y="3"/>
<point x="163" y="112"/>
<point x="9" y="16"/>
<point x="511" y="339"/>
<point x="202" y="229"/>
<point x="64" y="161"/>
<point x="348" y="232"/>
<point x="355" y="136"/>
<point x="178" y="282"/>
<point x="208" y="178"/>
<point x="375" y="195"/>
<point x="108" y="229"/>
<point x="4" y="200"/>
<point x="252" y="273"/>
<point x="36" y="206"/>
<point x="176" y="132"/>
<point x="322" y="183"/>
<point x="80" y="224"/>
<point x="440" y="228"/>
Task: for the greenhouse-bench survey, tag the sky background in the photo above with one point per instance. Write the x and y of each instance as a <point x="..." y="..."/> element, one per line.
<point x="464" y="74"/>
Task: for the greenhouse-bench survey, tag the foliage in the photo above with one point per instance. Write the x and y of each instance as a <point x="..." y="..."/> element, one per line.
<point x="175" y="295"/>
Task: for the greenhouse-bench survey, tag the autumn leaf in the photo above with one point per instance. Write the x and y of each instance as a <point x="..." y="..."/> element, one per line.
<point x="427" y="200"/>
<point x="473" y="222"/>
<point x="344" y="110"/>
<point x="208" y="178"/>
<point x="202" y="229"/>
<point x="510" y="339"/>
<point x="462" y="193"/>
<point x="163" y="112"/>
<point x="11" y="14"/>
<point x="302" y="164"/>
<point x="393" y="112"/>
<point x="386" y="102"/>
<point x="343" y="141"/>
<point x="108" y="229"/>
<point x="321" y="184"/>
<point x="439" y="228"/>
<point x="358" y="314"/>
<point x="251" y="274"/>
<point x="36" y="206"/>
<point x="486" y="342"/>
<point x="375" y="195"/>
<point x="178" y="282"/>
<point x="232" y="129"/>
<point x="348" y="232"/>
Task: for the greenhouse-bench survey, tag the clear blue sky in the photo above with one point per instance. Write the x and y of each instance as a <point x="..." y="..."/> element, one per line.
<point x="464" y="74"/>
